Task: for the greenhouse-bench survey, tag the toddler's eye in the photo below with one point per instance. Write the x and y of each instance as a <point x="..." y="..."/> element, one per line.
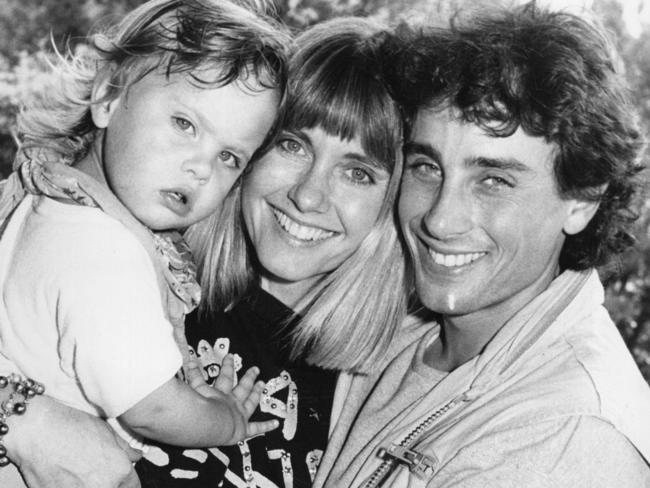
<point x="230" y="160"/>
<point x="184" y="125"/>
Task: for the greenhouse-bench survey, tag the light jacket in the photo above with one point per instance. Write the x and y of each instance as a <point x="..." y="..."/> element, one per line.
<point x="558" y="363"/>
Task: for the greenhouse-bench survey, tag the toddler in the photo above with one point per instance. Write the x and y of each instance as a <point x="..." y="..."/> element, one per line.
<point x="145" y="134"/>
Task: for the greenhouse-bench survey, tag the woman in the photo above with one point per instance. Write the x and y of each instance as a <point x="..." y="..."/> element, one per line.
<point x="297" y="236"/>
<point x="310" y="230"/>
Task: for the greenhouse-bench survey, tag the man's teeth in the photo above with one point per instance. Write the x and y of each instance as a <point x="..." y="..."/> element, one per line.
<point x="302" y="232"/>
<point x="451" y="260"/>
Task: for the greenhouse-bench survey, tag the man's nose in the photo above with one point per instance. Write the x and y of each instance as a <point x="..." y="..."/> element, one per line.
<point x="450" y="213"/>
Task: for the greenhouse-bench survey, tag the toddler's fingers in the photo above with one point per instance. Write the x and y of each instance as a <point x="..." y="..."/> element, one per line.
<point x="257" y="428"/>
<point x="253" y="399"/>
<point x="193" y="374"/>
<point x="226" y="378"/>
<point x="246" y="384"/>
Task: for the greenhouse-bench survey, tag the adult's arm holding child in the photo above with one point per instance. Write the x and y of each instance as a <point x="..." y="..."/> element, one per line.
<point x="54" y="445"/>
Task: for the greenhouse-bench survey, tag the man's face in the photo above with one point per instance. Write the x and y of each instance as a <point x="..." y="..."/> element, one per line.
<point x="482" y="217"/>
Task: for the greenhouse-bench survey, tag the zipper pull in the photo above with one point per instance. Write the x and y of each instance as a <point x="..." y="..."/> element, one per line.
<point x="422" y="466"/>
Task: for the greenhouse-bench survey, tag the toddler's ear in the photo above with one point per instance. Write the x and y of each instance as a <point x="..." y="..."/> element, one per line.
<point x="103" y="99"/>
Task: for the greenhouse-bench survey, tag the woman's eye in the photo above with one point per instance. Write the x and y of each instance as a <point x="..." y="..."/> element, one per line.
<point x="359" y="176"/>
<point x="291" y="146"/>
<point x="230" y="160"/>
<point x="184" y="125"/>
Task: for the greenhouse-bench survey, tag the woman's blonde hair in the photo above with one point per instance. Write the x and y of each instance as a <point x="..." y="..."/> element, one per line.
<point x="348" y="319"/>
<point x="168" y="36"/>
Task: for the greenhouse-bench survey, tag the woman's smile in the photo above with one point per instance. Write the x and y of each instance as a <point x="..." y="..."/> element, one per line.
<point x="301" y="232"/>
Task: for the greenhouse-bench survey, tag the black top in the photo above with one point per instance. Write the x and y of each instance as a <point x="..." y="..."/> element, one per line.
<point x="298" y="395"/>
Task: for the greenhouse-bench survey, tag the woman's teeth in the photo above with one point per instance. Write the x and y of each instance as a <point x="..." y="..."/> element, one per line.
<point x="301" y="232"/>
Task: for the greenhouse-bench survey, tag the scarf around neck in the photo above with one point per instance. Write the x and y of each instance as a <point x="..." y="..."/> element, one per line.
<point x="41" y="171"/>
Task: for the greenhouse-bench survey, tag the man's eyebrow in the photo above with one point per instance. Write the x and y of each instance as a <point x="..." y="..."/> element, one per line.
<point x="498" y="163"/>
<point x="421" y="148"/>
<point x="428" y="150"/>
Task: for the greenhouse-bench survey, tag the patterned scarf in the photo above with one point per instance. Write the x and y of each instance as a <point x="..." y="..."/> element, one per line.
<point x="39" y="171"/>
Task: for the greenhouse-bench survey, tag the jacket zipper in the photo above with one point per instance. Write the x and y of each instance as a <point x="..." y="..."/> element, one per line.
<point x="390" y="460"/>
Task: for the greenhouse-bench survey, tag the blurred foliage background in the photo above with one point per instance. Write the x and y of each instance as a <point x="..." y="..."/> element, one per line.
<point x="29" y="29"/>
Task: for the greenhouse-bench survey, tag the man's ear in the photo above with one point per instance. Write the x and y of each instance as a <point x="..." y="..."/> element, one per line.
<point x="103" y="103"/>
<point x="580" y="213"/>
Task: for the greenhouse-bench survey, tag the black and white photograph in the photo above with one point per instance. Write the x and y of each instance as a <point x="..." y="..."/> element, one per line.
<point x="324" y="243"/>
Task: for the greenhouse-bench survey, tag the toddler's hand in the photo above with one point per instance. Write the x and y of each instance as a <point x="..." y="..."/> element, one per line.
<point x="243" y="398"/>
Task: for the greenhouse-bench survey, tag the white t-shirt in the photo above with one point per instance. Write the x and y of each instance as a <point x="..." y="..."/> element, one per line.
<point x="80" y="308"/>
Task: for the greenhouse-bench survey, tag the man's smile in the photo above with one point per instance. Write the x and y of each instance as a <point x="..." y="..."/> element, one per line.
<point x="454" y="260"/>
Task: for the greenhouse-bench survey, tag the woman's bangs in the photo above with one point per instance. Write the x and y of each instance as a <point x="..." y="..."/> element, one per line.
<point x="381" y="133"/>
<point x="317" y="102"/>
<point x="347" y="110"/>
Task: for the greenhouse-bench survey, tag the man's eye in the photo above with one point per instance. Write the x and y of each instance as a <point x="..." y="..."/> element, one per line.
<point x="424" y="168"/>
<point x="184" y="125"/>
<point x="497" y="182"/>
<point x="230" y="160"/>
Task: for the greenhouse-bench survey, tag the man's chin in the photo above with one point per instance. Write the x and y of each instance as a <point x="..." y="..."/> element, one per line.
<point x="441" y="301"/>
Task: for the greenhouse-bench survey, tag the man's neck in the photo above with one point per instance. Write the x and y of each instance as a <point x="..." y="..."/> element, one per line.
<point x="463" y="337"/>
<point x="460" y="341"/>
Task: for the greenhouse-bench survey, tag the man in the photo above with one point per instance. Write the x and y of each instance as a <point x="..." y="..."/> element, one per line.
<point x="520" y="167"/>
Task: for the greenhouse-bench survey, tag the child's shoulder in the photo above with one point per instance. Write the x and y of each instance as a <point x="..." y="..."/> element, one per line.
<point x="51" y="245"/>
<point x="81" y="232"/>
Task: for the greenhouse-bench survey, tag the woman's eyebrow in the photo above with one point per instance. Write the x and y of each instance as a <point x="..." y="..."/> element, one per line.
<point x="363" y="158"/>
<point x="298" y="133"/>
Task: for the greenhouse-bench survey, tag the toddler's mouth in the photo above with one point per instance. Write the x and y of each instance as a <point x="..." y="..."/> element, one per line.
<point x="178" y="196"/>
<point x="177" y="201"/>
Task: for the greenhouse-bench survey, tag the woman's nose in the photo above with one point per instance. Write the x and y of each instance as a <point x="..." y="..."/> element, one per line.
<point x="311" y="193"/>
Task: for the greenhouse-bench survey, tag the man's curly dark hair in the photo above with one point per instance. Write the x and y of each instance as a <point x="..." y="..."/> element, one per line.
<point x="553" y="74"/>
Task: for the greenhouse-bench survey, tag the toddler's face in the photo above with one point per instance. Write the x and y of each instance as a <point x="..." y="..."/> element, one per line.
<point x="173" y="150"/>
